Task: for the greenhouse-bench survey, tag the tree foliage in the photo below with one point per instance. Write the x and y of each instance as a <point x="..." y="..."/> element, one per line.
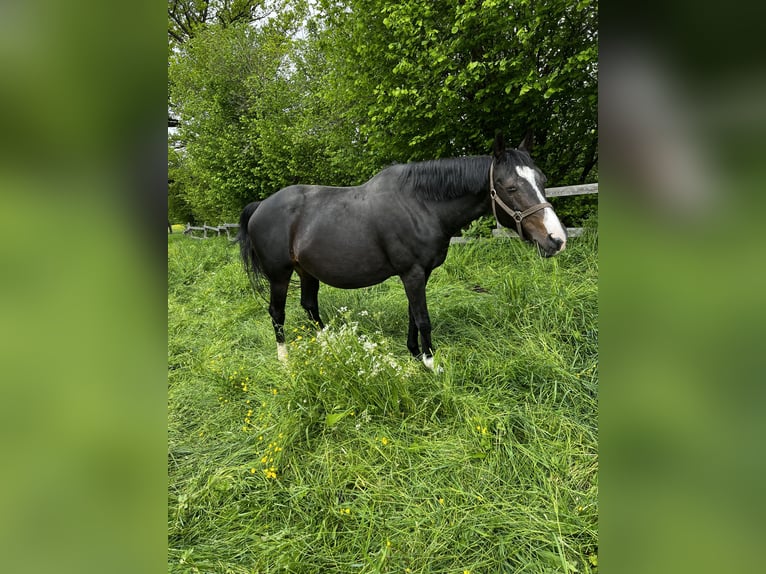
<point x="187" y="17"/>
<point x="333" y="92"/>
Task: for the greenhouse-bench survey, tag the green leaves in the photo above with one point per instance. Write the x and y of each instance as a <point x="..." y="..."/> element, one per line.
<point x="334" y="418"/>
<point x="369" y="82"/>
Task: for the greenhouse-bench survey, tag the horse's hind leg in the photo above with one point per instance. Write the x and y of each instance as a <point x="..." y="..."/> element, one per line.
<point x="309" y="297"/>
<point x="277" y="312"/>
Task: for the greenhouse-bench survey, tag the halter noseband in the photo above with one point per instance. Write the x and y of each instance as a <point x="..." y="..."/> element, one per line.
<point x="517" y="216"/>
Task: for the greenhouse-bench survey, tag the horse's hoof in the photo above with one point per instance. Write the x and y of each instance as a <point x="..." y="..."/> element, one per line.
<point x="429" y="363"/>
<point x="282" y="353"/>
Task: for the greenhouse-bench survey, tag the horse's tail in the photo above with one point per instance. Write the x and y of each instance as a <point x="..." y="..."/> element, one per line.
<point x="249" y="258"/>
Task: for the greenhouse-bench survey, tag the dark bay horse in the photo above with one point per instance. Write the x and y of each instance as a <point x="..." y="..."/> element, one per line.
<point x="398" y="223"/>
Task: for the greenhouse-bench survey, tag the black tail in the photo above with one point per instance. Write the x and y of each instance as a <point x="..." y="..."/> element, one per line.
<point x="249" y="258"/>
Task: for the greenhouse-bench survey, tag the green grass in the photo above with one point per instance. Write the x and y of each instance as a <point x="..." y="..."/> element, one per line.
<point x="354" y="457"/>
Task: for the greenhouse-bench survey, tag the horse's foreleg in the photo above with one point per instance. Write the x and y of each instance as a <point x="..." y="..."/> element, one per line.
<point x="412" y="334"/>
<point x="310" y="298"/>
<point x="277" y="312"/>
<point x="415" y="287"/>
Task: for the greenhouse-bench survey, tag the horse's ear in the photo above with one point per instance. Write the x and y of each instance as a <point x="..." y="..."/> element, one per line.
<point x="527" y="143"/>
<point x="499" y="146"/>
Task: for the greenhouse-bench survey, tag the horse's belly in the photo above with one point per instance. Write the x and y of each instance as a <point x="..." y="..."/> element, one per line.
<point x="347" y="266"/>
<point x="346" y="276"/>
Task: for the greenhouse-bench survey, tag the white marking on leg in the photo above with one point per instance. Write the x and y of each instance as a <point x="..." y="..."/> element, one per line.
<point x="429" y="363"/>
<point x="282" y="352"/>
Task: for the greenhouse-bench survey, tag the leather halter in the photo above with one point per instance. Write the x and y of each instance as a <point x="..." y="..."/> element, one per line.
<point x="518" y="216"/>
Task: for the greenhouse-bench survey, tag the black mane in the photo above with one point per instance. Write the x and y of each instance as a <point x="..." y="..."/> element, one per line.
<point x="443" y="179"/>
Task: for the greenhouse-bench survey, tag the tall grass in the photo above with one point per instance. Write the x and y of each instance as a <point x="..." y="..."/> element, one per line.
<point x="354" y="457"/>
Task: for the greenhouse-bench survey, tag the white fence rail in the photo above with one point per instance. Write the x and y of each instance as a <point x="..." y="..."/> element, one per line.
<point x="218" y="229"/>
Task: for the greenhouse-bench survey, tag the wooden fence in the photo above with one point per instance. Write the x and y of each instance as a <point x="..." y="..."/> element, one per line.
<point x="217" y="229"/>
<point x="505" y="232"/>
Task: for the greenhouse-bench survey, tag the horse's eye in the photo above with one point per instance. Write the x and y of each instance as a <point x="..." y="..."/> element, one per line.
<point x="499" y="182"/>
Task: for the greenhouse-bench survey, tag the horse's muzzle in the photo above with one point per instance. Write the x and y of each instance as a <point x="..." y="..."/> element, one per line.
<point x="552" y="246"/>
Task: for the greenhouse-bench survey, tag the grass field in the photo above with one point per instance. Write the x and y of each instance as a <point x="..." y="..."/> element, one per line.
<point x="354" y="457"/>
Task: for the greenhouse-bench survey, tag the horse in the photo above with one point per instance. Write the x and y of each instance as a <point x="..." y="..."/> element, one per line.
<point x="398" y="223"/>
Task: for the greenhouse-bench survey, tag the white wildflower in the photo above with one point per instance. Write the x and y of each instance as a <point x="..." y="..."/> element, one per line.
<point x="392" y="362"/>
<point x="369" y="346"/>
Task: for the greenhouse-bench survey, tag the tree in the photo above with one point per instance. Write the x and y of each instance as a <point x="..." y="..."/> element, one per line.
<point x="179" y="209"/>
<point x="210" y="92"/>
<point x="438" y="78"/>
<point x="332" y="94"/>
<point x="187" y="17"/>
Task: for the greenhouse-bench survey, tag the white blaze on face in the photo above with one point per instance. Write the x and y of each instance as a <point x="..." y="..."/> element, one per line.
<point x="550" y="219"/>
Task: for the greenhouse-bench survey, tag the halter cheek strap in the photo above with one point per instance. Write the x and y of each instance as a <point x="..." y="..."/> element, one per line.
<point x="518" y="216"/>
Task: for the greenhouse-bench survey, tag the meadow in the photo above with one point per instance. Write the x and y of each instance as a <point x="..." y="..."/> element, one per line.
<point x="355" y="458"/>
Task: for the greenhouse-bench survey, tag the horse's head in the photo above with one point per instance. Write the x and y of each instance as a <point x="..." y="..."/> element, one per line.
<point x="517" y="191"/>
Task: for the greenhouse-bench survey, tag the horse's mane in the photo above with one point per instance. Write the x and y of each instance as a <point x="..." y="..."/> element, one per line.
<point x="443" y="179"/>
